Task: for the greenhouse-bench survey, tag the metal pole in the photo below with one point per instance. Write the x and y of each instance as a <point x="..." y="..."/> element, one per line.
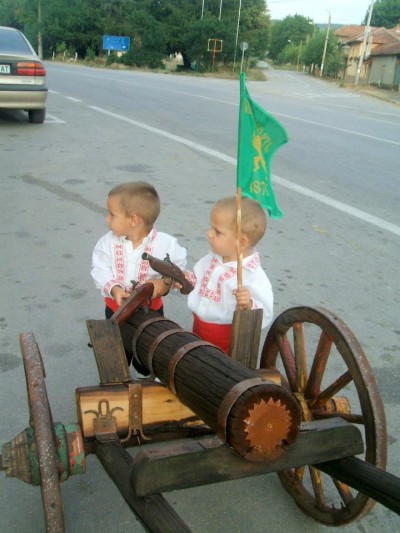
<point x="241" y="64"/>
<point x="237" y="34"/>
<point x="202" y="10"/>
<point x="220" y="10"/>
<point x="326" y="44"/>
<point x="299" y="54"/>
<point x="40" y="44"/>
<point x="364" y="43"/>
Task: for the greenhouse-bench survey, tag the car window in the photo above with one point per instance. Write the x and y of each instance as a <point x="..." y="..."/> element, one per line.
<point x="13" y="42"/>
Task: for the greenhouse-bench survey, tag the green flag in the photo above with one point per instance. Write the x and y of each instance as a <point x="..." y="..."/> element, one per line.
<point x="260" y="135"/>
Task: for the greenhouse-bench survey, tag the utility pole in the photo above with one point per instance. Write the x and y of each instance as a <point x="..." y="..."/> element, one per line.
<point x="364" y="43"/>
<point x="40" y="44"/>
<point x="326" y="44"/>
<point x="237" y="34"/>
<point x="299" y="54"/>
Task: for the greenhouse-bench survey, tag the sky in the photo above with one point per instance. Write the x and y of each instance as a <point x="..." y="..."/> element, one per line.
<point x="342" y="11"/>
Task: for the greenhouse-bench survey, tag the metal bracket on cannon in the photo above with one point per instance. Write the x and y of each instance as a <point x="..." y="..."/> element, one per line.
<point x="105" y="424"/>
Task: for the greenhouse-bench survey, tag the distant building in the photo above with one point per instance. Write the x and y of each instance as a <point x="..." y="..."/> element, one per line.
<point x="381" y="65"/>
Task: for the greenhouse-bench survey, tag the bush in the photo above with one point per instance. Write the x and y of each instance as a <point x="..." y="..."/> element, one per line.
<point x="90" y="54"/>
<point x="112" y="58"/>
<point x="141" y="57"/>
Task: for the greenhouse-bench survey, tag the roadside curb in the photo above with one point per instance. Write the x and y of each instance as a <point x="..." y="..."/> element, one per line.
<point x="392" y="97"/>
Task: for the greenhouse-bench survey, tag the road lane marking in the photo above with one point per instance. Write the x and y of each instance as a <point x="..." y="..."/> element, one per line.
<point x="73" y="99"/>
<point x="340" y="206"/>
<point x="171" y="136"/>
<point x="338" y="129"/>
<point x="235" y="104"/>
<point x="51" y="119"/>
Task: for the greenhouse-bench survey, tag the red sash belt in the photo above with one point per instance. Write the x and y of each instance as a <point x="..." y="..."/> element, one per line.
<point x="218" y="334"/>
<point x="156" y="303"/>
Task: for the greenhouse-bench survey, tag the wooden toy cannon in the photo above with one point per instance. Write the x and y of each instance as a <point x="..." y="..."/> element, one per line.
<point x="311" y="407"/>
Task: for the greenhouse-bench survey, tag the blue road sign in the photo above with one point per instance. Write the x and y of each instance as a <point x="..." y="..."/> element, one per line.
<point x="113" y="42"/>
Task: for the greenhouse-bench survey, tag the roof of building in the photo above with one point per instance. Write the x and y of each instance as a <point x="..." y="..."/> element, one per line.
<point x="387" y="49"/>
<point x="349" y="34"/>
<point x="349" y="31"/>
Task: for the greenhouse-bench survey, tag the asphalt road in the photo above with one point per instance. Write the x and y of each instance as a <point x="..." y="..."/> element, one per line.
<point x="337" y="247"/>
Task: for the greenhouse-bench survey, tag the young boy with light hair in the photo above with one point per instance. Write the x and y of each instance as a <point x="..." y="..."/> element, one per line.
<point x="216" y="294"/>
<point x="133" y="209"/>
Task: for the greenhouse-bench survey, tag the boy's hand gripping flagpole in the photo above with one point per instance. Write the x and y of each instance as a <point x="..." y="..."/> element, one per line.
<point x="259" y="136"/>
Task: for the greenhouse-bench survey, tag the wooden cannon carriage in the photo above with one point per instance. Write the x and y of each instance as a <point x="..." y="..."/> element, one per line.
<point x="306" y="413"/>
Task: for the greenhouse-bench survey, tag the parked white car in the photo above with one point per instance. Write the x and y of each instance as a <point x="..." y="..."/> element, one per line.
<point x="22" y="76"/>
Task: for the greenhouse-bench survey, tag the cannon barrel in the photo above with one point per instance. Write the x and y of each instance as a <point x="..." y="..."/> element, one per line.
<point x="257" y="418"/>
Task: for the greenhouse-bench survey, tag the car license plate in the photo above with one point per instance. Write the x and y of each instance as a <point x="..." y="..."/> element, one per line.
<point x="4" y="69"/>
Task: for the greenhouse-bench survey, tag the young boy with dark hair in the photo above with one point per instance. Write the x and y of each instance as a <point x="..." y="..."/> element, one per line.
<point x="133" y="209"/>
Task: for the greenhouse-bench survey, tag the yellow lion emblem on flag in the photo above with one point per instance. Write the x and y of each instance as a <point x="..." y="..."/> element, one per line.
<point x="261" y="143"/>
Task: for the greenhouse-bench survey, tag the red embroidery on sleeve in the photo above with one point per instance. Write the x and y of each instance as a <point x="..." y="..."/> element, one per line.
<point x="119" y="263"/>
<point x="144" y="266"/>
<point x="211" y="294"/>
<point x="254" y="263"/>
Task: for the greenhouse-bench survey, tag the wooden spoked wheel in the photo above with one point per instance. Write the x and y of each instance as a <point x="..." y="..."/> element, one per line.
<point x="329" y="374"/>
<point x="42" y="424"/>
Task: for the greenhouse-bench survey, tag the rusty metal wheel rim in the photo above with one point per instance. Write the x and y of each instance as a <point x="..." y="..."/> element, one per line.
<point x="41" y="422"/>
<point x="335" y="335"/>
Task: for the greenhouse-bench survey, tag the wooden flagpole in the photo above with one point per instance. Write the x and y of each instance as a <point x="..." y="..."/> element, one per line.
<point x="246" y="325"/>
<point x="239" y="252"/>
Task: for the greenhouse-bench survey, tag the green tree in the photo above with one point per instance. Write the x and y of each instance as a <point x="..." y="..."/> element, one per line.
<point x="176" y="17"/>
<point x="312" y="54"/>
<point x="10" y="14"/>
<point x="63" y="24"/>
<point x="289" y="54"/>
<point x="148" y="41"/>
<point x="314" y="49"/>
<point x="385" y="13"/>
<point x="189" y="34"/>
<point x="293" y="28"/>
<point x="194" y="44"/>
<point x="335" y="62"/>
<point x="255" y="28"/>
<point x="156" y="27"/>
<point x="68" y="25"/>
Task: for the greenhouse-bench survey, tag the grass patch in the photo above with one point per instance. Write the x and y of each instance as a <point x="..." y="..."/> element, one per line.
<point x="170" y="67"/>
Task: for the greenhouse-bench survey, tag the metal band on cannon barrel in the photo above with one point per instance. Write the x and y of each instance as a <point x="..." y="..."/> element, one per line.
<point x="142" y="327"/>
<point x="229" y="401"/>
<point x="270" y="419"/>
<point x="183" y="350"/>
<point x="155" y="345"/>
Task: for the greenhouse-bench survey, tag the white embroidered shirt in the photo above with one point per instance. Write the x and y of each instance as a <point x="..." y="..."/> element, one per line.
<point x="116" y="262"/>
<point x="212" y="299"/>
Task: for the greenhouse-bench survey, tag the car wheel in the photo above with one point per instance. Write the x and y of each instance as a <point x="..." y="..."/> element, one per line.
<point x="37" y="116"/>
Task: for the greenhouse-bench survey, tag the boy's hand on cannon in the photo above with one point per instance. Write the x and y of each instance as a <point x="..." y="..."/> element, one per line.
<point x="243" y="298"/>
<point x="119" y="295"/>
<point x="161" y="286"/>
